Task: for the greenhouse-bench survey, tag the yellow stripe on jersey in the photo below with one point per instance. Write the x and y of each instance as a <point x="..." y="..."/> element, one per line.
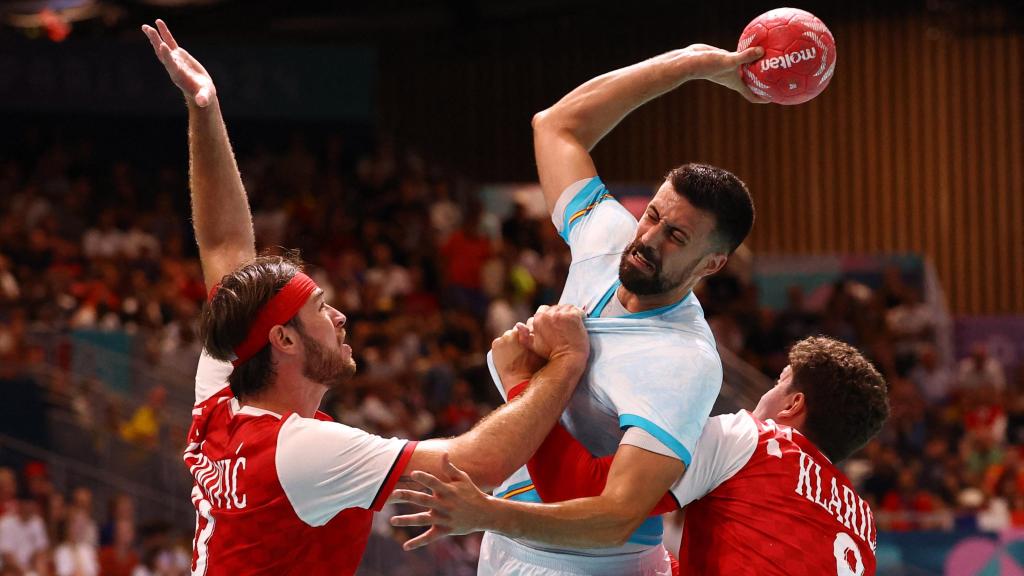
<point x="517" y="492"/>
<point x="593" y="204"/>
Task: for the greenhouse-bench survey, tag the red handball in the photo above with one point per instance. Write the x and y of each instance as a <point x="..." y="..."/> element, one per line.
<point x="799" y="56"/>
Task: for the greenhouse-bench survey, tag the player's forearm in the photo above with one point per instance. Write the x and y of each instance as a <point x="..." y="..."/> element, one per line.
<point x="220" y="207"/>
<point x="590" y="111"/>
<point x="502" y="442"/>
<point x="596" y="522"/>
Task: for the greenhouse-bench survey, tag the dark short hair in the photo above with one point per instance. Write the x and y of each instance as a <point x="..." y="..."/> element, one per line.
<point x="846" y="397"/>
<point x="722" y="194"/>
<point x="226" y="318"/>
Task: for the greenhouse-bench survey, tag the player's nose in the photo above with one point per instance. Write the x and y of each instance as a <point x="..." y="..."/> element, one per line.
<point x="338" y="318"/>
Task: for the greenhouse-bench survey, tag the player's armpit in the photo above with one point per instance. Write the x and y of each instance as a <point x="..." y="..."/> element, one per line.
<point x="563" y="469"/>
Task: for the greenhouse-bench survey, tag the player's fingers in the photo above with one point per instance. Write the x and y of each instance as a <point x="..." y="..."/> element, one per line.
<point x="446" y="463"/>
<point x="165" y="33"/>
<point x="524" y="336"/>
<point x="413" y="497"/>
<point x="749" y="55"/>
<point x="454" y="472"/>
<point x="418" y="519"/>
<point x="431" y="482"/>
<point x="154" y="37"/>
<point x="166" y="58"/>
<point x="433" y="535"/>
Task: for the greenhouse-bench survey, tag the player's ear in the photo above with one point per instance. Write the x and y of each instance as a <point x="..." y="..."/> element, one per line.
<point x="714" y="262"/>
<point x="284" y="339"/>
<point x="795" y="407"/>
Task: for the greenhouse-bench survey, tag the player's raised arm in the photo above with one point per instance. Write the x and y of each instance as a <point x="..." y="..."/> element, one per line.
<point x="220" y="207"/>
<point x="564" y="134"/>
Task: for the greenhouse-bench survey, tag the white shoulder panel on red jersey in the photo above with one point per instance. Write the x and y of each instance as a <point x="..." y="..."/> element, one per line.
<point x="725" y="446"/>
<point x="325" y="467"/>
<point x="211" y="377"/>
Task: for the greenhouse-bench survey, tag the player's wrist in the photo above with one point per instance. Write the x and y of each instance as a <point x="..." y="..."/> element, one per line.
<point x="569" y="357"/>
<point x="518" y="389"/>
<point x="498" y="517"/>
<point x="213" y="103"/>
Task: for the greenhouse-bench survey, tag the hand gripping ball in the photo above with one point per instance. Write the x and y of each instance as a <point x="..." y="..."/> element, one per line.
<point x="799" y="56"/>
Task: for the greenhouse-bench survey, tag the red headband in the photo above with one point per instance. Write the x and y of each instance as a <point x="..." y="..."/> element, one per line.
<point x="279" y="310"/>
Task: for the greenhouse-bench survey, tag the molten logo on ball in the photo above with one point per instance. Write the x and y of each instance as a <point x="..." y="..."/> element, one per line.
<point x="787" y="60"/>
<point x="799" y="56"/>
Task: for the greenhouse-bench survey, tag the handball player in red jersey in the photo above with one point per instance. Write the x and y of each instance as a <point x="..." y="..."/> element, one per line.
<point x="278" y="487"/>
<point x="762" y="496"/>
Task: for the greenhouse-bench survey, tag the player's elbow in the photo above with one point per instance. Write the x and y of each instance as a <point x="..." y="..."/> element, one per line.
<point x="554" y="120"/>
<point x="541" y="120"/>
<point x="622" y="523"/>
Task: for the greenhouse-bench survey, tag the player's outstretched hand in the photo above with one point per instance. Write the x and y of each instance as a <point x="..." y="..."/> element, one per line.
<point x="513" y="361"/>
<point x="455" y="506"/>
<point x="185" y="71"/>
<point x="723" y="67"/>
<point x="555" y="331"/>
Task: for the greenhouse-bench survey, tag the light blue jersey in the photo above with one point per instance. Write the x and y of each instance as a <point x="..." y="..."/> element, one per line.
<point x="652" y="377"/>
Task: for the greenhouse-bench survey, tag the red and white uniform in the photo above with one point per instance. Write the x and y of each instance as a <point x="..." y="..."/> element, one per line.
<point x="278" y="493"/>
<point x="760" y="499"/>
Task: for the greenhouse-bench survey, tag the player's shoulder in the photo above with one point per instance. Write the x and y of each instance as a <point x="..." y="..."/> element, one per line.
<point x="739" y="429"/>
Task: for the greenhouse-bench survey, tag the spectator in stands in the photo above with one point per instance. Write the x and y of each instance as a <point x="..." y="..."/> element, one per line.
<point x="82" y="503"/>
<point x="22" y="534"/>
<point x="120" y="558"/>
<point x="8" y="491"/>
<point x="75" y="555"/>
<point x="143" y="428"/>
<point x="121" y="508"/>
<point x="464" y="254"/>
<point x="933" y="380"/>
<point x="980" y="369"/>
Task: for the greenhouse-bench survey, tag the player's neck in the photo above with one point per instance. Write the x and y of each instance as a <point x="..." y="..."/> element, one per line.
<point x="289" y="393"/>
<point x="641" y="303"/>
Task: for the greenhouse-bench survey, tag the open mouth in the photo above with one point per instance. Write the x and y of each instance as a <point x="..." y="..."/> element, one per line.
<point x="640" y="262"/>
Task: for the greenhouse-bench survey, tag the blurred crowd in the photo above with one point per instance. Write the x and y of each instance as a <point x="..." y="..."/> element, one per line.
<point x="95" y="235"/>
<point x="45" y="531"/>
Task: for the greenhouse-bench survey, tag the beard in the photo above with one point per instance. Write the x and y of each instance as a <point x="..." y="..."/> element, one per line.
<point x="639" y="282"/>
<point x="324" y="366"/>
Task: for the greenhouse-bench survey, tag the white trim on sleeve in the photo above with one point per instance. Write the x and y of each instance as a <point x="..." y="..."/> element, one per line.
<point x="725" y="446"/>
<point x="637" y="436"/>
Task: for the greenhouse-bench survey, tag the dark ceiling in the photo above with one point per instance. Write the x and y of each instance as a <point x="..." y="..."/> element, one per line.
<point x="383" y="21"/>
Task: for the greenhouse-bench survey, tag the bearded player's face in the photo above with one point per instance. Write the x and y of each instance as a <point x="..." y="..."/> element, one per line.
<point x="672" y="244"/>
<point x="327" y="359"/>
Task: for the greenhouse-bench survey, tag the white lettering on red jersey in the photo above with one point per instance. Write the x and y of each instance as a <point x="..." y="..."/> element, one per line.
<point x="279" y="493"/>
<point x="762" y="499"/>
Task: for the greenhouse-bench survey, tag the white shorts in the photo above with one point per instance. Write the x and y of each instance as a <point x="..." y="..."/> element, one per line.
<point x="500" y="556"/>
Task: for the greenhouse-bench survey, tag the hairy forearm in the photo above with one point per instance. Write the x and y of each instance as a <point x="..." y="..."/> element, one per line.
<point x="220" y="207"/>
<point x="590" y="111"/>
<point x="502" y="442"/>
<point x="596" y="522"/>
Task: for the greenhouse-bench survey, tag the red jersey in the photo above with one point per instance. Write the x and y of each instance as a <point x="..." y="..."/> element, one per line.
<point x="786" y="510"/>
<point x="278" y="493"/>
<point x="759" y="499"/>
